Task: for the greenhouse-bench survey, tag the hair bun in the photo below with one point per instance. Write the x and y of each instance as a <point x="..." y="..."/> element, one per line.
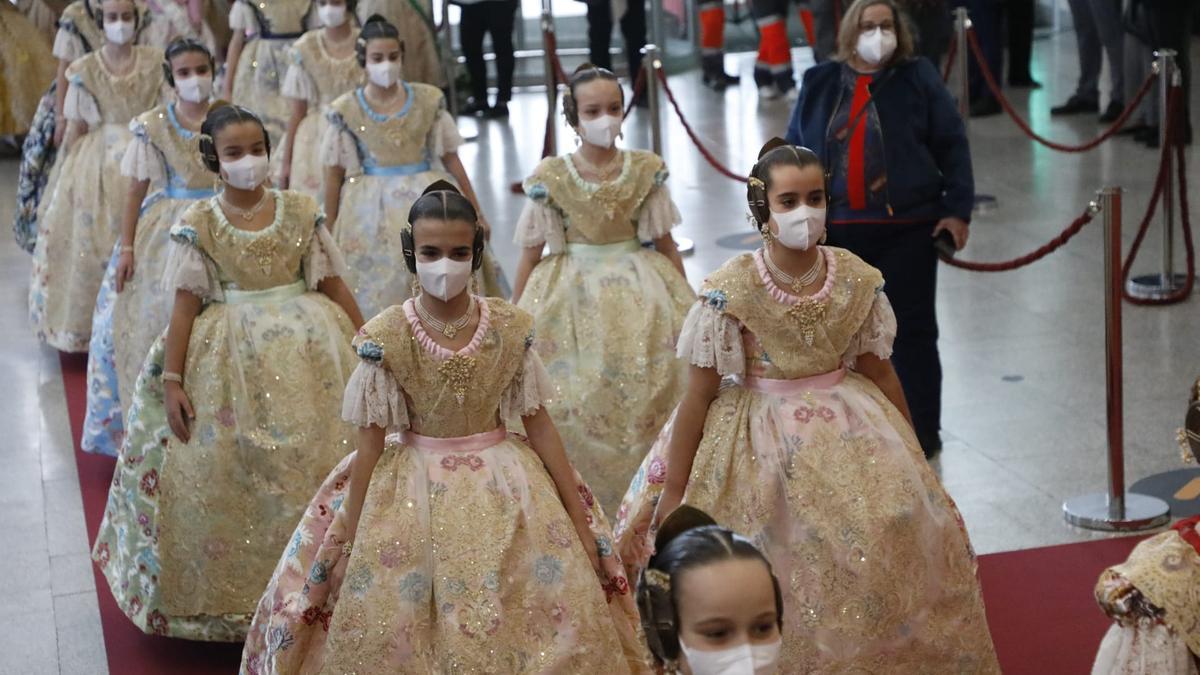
<point x="375" y="18"/>
<point x="218" y="104"/>
<point x="679" y="521"/>
<point x="441" y="186"/>
<point x="770" y="145"/>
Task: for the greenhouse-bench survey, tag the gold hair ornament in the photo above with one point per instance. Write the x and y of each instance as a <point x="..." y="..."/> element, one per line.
<point x="657" y="579"/>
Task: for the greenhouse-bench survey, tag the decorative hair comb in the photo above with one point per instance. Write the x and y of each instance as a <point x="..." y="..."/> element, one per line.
<point x="658" y="579"/>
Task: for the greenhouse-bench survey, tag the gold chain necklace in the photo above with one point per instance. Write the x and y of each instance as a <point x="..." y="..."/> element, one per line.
<point x="449" y="329"/>
<point x="795" y="283"/>
<point x="246" y="214"/>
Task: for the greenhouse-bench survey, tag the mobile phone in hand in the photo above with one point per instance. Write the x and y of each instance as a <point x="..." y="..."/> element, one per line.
<point x="944" y="243"/>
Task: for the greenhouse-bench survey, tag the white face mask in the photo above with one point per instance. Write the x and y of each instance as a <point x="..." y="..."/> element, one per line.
<point x="444" y="278"/>
<point x="246" y="173"/>
<point x="601" y="131"/>
<point x="194" y="89"/>
<point x="332" y="15"/>
<point x="118" y="32"/>
<point x="876" y="46"/>
<point x="801" y="228"/>
<point x="744" y="659"/>
<point x="384" y="73"/>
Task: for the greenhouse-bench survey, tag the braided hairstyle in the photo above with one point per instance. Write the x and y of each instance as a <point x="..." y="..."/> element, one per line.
<point x="582" y="75"/>
<point x="776" y="152"/>
<point x="441" y="201"/>
<point x="375" y="27"/>
<point x="687" y="539"/>
<point x="220" y="115"/>
<point x="184" y="45"/>
<point x="97" y="11"/>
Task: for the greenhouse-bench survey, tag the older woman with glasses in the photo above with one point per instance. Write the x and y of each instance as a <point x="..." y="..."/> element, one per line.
<point x="899" y="170"/>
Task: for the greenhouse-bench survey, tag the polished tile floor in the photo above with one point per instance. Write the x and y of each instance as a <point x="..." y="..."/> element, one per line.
<point x="1023" y="351"/>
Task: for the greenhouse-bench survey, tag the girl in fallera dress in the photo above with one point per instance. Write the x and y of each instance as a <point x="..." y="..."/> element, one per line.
<point x="324" y="66"/>
<point x="257" y="59"/>
<point x="172" y="19"/>
<point x="810" y="453"/>
<point x="445" y="544"/>
<point x="81" y="216"/>
<point x="607" y="310"/>
<point x="234" y="418"/>
<point x="166" y="175"/>
<point x="79" y="32"/>
<point x="385" y="142"/>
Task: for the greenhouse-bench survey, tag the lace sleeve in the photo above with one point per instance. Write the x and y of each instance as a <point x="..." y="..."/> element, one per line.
<point x="67" y="46"/>
<point x="444" y="137"/>
<point x="298" y="84"/>
<point x="529" y="390"/>
<point x="710" y="338"/>
<point x="338" y="147"/>
<point x="1143" y="647"/>
<point x="373" y="395"/>
<point x="540" y="224"/>
<point x="79" y="104"/>
<point x="658" y="213"/>
<point x="141" y="161"/>
<point x="876" y="334"/>
<point x="323" y="259"/>
<point x="242" y="18"/>
<point x="187" y="267"/>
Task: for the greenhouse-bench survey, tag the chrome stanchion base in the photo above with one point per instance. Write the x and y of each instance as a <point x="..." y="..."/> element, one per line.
<point x="685" y="245"/>
<point x="1151" y="286"/>
<point x="1092" y="512"/>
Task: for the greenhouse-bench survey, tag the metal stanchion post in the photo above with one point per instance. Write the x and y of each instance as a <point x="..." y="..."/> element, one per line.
<point x="962" y="23"/>
<point x="1167" y="282"/>
<point x="1116" y="509"/>
<point x="651" y="65"/>
<point x="550" y="76"/>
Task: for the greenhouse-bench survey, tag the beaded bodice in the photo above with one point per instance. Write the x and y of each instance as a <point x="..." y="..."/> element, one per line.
<point x="254" y="260"/>
<point x="597" y="213"/>
<point x="459" y="395"/>
<point x="176" y="146"/>
<point x="332" y="76"/>
<point x="789" y="337"/>
<point x="120" y="98"/>
<point x="389" y="140"/>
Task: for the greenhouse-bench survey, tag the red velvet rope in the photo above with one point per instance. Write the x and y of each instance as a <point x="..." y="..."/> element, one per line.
<point x="1050" y="247"/>
<point x="708" y="156"/>
<point x="990" y="79"/>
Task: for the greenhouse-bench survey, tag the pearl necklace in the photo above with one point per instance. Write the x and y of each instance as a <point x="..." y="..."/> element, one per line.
<point x="449" y="329"/>
<point x="246" y="214"/>
<point x="795" y="283"/>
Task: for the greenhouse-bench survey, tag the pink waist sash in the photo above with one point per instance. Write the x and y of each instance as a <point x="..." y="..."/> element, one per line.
<point x="472" y="443"/>
<point x="765" y="385"/>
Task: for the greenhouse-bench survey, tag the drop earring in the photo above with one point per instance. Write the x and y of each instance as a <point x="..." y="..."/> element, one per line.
<point x="415" y="287"/>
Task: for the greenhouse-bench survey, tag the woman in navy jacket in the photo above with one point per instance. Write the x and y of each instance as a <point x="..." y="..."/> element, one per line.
<point x="899" y="169"/>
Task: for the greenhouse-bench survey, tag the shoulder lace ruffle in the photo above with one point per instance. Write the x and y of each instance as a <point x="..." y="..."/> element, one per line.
<point x="710" y="338"/>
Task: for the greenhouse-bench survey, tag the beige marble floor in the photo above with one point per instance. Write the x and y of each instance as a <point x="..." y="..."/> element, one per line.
<point x="1023" y="351"/>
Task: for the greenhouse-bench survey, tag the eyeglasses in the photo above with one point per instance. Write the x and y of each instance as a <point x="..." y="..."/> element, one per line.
<point x="867" y="26"/>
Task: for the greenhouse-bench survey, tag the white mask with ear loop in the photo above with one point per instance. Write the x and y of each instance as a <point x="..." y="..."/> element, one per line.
<point x="332" y="16"/>
<point x="601" y="131"/>
<point x="744" y="659"/>
<point x="194" y="89"/>
<point x="876" y="45"/>
<point x="119" y="32"/>
<point x="444" y="278"/>
<point x="384" y="74"/>
<point x="247" y="172"/>
<point x="801" y="228"/>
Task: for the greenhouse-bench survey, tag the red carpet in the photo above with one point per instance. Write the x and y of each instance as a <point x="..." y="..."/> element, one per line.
<point x="1039" y="601"/>
<point x="130" y="651"/>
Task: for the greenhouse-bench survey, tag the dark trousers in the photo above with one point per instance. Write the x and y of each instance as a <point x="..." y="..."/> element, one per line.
<point x="987" y="18"/>
<point x="1019" y="15"/>
<point x="497" y="18"/>
<point x="908" y="261"/>
<point x="1170" y="27"/>
<point x="633" y="30"/>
